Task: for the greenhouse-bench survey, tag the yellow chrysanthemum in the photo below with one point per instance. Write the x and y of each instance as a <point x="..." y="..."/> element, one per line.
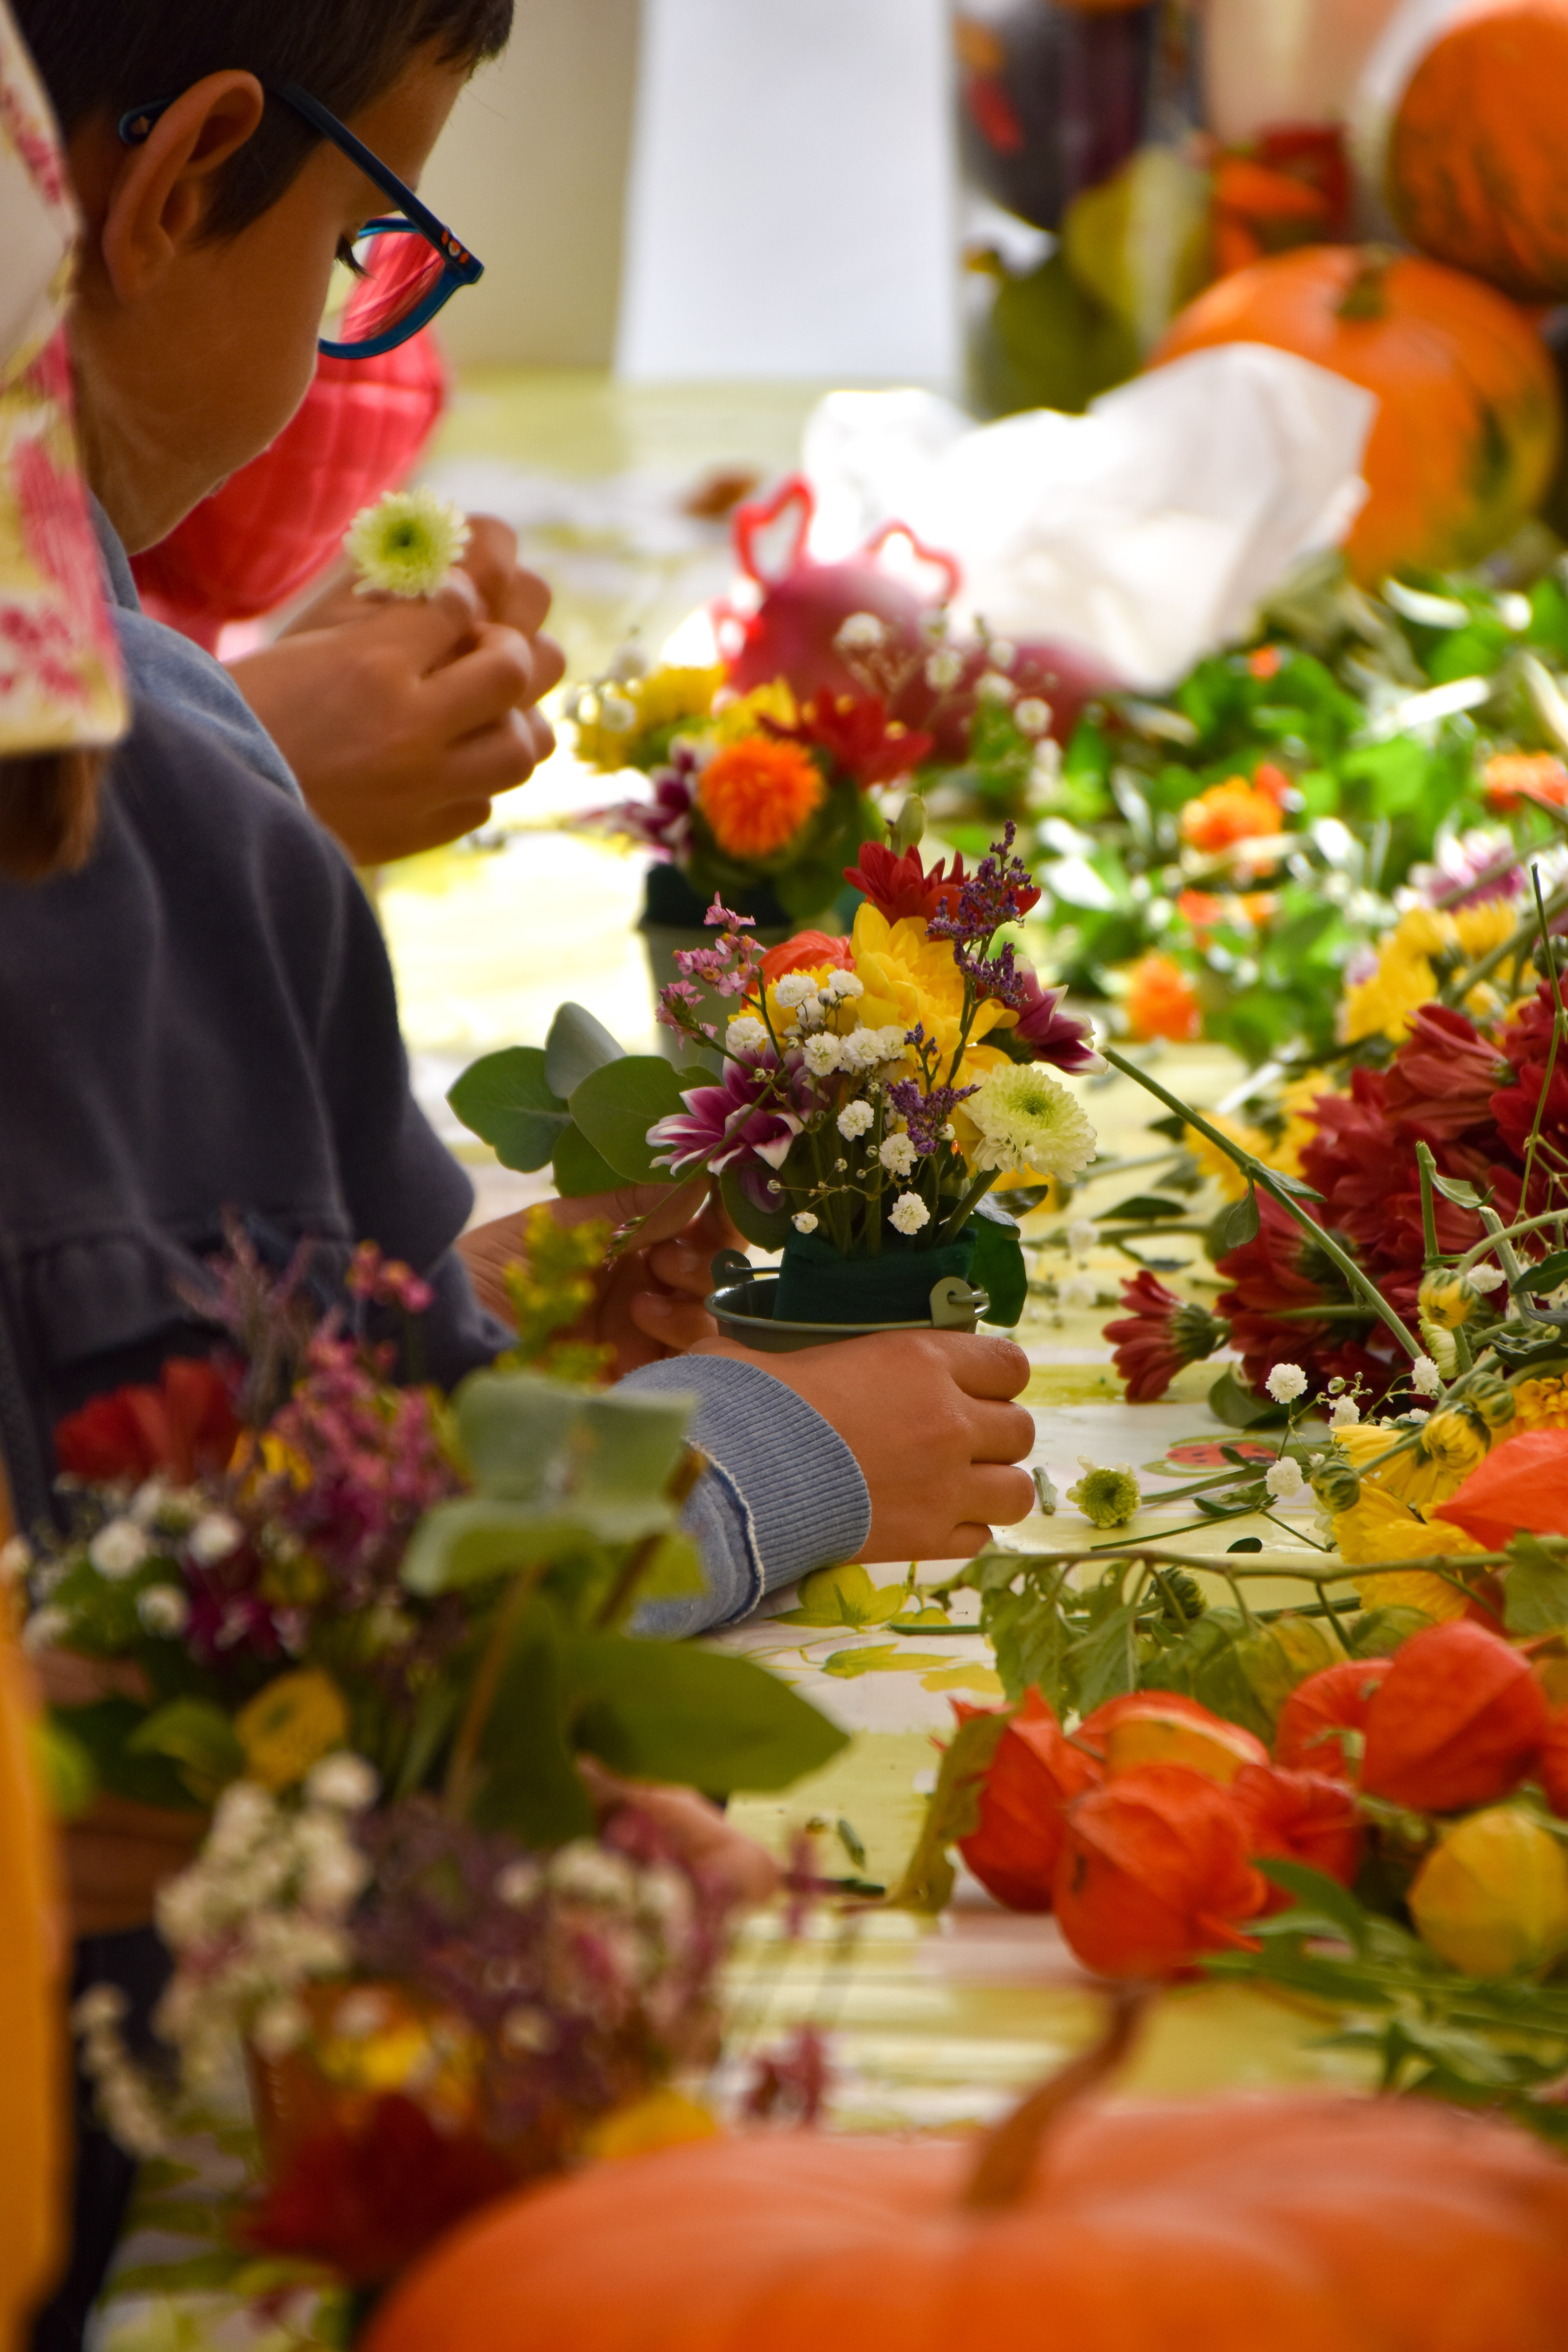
<point x="1541" y="1405"/>
<point x="1296" y="1102"/>
<point x="290" y="1725"/>
<point x="1217" y="1165"/>
<point x="613" y="720"/>
<point x="745" y="715"/>
<point x="1427" y="1473"/>
<point x="910" y="979"/>
<point x="1383" y="1004"/>
<point x="1380" y="1528"/>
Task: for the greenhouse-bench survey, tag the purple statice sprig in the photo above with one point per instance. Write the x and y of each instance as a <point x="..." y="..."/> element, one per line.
<point x="1000" y="890"/>
<point x="925" y="1114"/>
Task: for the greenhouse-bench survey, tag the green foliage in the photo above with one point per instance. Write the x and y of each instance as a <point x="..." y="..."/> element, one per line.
<point x="1535" y="1588"/>
<point x="549" y="1288"/>
<point x="998" y="1267"/>
<point x="105" y="1733"/>
<point x="198" y="1738"/>
<point x="506" y="1101"/>
<point x="952" y="1812"/>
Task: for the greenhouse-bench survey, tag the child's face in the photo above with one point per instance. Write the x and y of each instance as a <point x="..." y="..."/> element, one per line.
<point x="191" y="357"/>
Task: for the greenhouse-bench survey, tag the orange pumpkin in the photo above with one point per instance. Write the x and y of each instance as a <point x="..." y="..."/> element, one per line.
<point x="1304" y="2224"/>
<point x="1469" y="419"/>
<point x="33" y="2084"/>
<point x="1475" y="158"/>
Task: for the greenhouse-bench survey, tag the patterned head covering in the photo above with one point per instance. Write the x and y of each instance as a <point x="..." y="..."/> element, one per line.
<point x="60" y="680"/>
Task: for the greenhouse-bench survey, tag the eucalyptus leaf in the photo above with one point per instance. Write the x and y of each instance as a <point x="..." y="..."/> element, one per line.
<point x="528" y="1781"/>
<point x="615" y="1104"/>
<point x="998" y="1266"/>
<point x="579" y="1170"/>
<point x="506" y="1101"/>
<point x="576" y="1045"/>
<point x="478" y="1536"/>
<point x="766" y="1229"/>
<point x="198" y="1737"/>
<point x="672" y="1711"/>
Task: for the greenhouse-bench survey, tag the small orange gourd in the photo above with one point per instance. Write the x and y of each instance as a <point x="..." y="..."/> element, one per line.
<point x="1469" y="417"/>
<point x="34" y="2080"/>
<point x="1475" y="158"/>
<point x="1303" y="2224"/>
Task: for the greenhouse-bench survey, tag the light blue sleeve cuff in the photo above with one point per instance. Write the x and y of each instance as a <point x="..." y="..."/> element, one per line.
<point x="783" y="1494"/>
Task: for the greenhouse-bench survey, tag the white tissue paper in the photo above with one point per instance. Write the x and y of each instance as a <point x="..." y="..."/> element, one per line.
<point x="1146" y="532"/>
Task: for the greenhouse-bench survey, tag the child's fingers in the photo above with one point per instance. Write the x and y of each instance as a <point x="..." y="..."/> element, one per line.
<point x="674" y="1320"/>
<point x="494" y="760"/>
<point x="479" y="688"/>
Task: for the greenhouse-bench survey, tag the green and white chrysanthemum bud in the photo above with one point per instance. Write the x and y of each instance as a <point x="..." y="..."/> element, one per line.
<point x="406" y="543"/>
<point x="1107" y="1498"/>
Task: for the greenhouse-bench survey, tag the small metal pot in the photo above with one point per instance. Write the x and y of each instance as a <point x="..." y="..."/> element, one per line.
<point x="742" y="1304"/>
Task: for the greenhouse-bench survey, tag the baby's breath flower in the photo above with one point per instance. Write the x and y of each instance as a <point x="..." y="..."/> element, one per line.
<point x="163" y="1609"/>
<point x="1032" y="714"/>
<point x="839" y="985"/>
<point x="527" y="2032"/>
<point x="517" y="1883"/>
<point x="992" y="687"/>
<point x="794" y="989"/>
<point x="280" y="2025"/>
<point x="1283" y="1478"/>
<point x="1107" y="1498"/>
<point x="746" y="1035"/>
<point x="1286" y="1382"/>
<point x="804" y="1221"/>
<point x="854" y="1120"/>
<point x="343" y="1782"/>
<point x="1078" y="1291"/>
<point x="1486" y="1278"/>
<point x="214" y="1537"/>
<point x="405" y="544"/>
<point x="1345" y="1415"/>
<point x="15" y="1559"/>
<point x="118" y="1549"/>
<point x="822" y="1054"/>
<point x="943" y="668"/>
<point x="1424" y="1377"/>
<point x="908" y="1213"/>
<point x="1082" y="1235"/>
<point x="46" y="1629"/>
<point x="860" y="634"/>
<point x="896" y="1154"/>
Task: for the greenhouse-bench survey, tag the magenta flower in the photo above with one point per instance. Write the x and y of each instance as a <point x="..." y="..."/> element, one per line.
<point x="739" y="1114"/>
<point x="1049" y="1034"/>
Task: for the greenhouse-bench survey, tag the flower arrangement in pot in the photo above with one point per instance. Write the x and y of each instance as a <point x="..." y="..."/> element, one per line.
<point x="874" y="1091"/>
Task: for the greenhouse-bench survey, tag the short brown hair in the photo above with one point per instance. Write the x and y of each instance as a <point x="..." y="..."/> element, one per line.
<point x="104" y="57"/>
<point x="48" y="812"/>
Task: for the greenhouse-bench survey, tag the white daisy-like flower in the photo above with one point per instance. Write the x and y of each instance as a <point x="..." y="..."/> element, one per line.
<point x="908" y="1213"/>
<point x="804" y="1221"/>
<point x="746" y="1035"/>
<point x="1033" y="716"/>
<point x="214" y="1537"/>
<point x="860" y="634"/>
<point x="118" y="1549"/>
<point x="1486" y="1278"/>
<point x="1345" y="1415"/>
<point x="1082" y="1235"/>
<point x="343" y="1782"/>
<point x="839" y="985"/>
<point x="1030" y="1123"/>
<point x="1286" y="1382"/>
<point x="854" y="1120"/>
<point x="163" y="1609"/>
<point x="1283" y="1479"/>
<point x="405" y="544"/>
<point x="794" y="989"/>
<point x="823" y="1053"/>
<point x="896" y="1154"/>
<point x="943" y="668"/>
<point x="1424" y="1377"/>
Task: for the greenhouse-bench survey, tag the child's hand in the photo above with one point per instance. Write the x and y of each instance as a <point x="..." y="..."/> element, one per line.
<point x="402" y="720"/>
<point x="649" y="1299"/>
<point x="928" y="1418"/>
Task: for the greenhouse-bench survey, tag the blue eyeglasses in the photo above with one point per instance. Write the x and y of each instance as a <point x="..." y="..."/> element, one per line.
<point x="405" y="268"/>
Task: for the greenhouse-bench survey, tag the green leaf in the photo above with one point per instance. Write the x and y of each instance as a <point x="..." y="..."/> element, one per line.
<point x="65" y="1767"/>
<point x="1106" y="1668"/>
<point x="1316" y="1892"/>
<point x="506" y="1101"/>
<point x="576" y="1045"/>
<point x="1240" y="1222"/>
<point x="1535" y="1590"/>
<point x="767" y="1229"/>
<point x="953" y="1810"/>
<point x="199" y="1738"/>
<point x="1463" y="1196"/>
<point x="579" y="1170"/>
<point x="106" y="1729"/>
<point x="1539" y="1279"/>
<point x="1238" y="1409"/>
<point x="529" y="1783"/>
<point x="998" y="1266"/>
<point x="1142" y="1207"/>
<point x="617" y="1105"/>
<point x="672" y="1711"/>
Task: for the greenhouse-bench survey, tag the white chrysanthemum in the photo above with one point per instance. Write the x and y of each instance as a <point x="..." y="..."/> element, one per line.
<point x="854" y="1120"/>
<point x="1286" y="1382"/>
<point x="896" y="1154"/>
<point x="1030" y="1123"/>
<point x="746" y="1035"/>
<point x="860" y="634"/>
<point x="1032" y="714"/>
<point x="804" y="1221"/>
<point x="406" y="543"/>
<point x="841" y="985"/>
<point x="163" y="1609"/>
<point x="794" y="989"/>
<point x="1283" y="1479"/>
<point x="823" y="1053"/>
<point x="908" y="1213"/>
<point x="1424" y="1377"/>
<point x="214" y="1537"/>
<point x="118" y="1549"/>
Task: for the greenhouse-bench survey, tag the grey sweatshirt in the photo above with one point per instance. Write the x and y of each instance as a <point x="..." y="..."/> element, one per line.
<point x="204" y="1021"/>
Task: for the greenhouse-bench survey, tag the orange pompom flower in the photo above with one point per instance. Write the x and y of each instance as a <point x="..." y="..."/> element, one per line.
<point x="1335" y="1699"/>
<point x="1232" y="812"/>
<point x="1156" y="1727"/>
<point x="756" y="794"/>
<point x="1034" y="1771"/>
<point x="1154" y="1871"/>
<point x="1299" y="1817"/>
<point x="1521" y="1484"/>
<point x="1511" y="777"/>
<point x="1161" y="1002"/>
<point x="1457" y="1720"/>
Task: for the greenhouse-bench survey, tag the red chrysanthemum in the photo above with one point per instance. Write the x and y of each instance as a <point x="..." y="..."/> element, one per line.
<point x="185" y="1428"/>
<point x="1158" y="1335"/>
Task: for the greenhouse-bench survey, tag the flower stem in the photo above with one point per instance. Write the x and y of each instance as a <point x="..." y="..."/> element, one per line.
<point x="1267" y="1181"/>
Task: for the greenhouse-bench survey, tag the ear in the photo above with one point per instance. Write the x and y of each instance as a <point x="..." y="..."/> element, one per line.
<point x="159" y="197"/>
